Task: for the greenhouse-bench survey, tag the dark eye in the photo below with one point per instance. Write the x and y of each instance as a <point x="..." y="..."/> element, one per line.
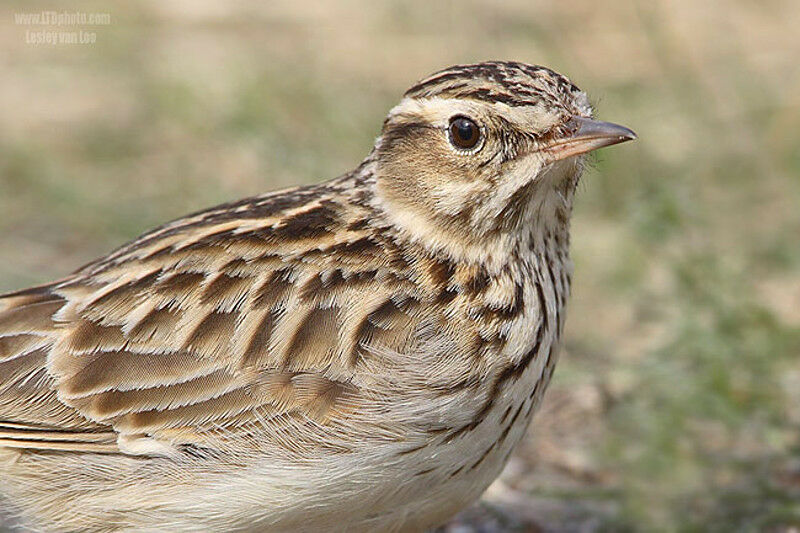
<point x="464" y="133"/>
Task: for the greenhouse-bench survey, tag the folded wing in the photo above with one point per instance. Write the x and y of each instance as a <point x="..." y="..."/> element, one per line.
<point x="201" y="327"/>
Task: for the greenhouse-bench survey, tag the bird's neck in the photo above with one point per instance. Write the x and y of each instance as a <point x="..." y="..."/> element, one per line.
<point x="506" y="227"/>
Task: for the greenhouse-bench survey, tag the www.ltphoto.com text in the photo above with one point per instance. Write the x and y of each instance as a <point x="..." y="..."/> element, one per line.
<point x="58" y="19"/>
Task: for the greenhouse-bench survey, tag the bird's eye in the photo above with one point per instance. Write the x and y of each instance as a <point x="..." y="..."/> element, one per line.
<point x="464" y="133"/>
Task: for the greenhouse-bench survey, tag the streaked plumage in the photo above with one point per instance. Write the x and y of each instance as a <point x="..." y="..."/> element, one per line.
<point x="357" y="355"/>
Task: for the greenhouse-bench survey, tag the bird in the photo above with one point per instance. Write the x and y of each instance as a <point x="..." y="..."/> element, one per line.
<point x="361" y="354"/>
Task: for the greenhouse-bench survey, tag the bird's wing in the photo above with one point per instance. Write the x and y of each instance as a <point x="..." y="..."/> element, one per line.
<point x="31" y="415"/>
<point x="244" y="313"/>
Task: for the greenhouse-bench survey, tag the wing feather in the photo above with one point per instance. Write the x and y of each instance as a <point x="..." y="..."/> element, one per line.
<point x="206" y="324"/>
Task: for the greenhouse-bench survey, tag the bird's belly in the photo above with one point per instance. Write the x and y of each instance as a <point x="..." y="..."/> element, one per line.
<point x="460" y="474"/>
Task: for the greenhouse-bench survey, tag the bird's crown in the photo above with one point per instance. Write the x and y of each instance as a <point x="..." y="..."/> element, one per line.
<point x="510" y="83"/>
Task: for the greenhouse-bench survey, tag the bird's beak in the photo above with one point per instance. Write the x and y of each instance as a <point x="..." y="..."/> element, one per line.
<point x="584" y="135"/>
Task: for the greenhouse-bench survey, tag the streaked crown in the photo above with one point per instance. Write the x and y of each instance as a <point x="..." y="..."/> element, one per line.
<point x="511" y="83"/>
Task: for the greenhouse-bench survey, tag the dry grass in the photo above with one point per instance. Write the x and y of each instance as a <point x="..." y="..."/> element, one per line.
<point x="676" y="405"/>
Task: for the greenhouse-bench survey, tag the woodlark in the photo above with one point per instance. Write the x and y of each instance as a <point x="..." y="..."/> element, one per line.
<point x="358" y="355"/>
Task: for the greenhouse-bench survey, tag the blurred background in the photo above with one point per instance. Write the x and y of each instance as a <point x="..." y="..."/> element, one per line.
<point x="676" y="405"/>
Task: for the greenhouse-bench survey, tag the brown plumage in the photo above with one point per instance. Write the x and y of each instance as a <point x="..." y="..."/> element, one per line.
<point x="361" y="354"/>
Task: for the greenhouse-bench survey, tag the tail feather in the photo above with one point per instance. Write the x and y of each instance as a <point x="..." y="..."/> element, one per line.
<point x="28" y="436"/>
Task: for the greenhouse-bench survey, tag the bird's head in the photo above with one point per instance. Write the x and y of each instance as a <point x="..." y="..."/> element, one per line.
<point x="483" y="150"/>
